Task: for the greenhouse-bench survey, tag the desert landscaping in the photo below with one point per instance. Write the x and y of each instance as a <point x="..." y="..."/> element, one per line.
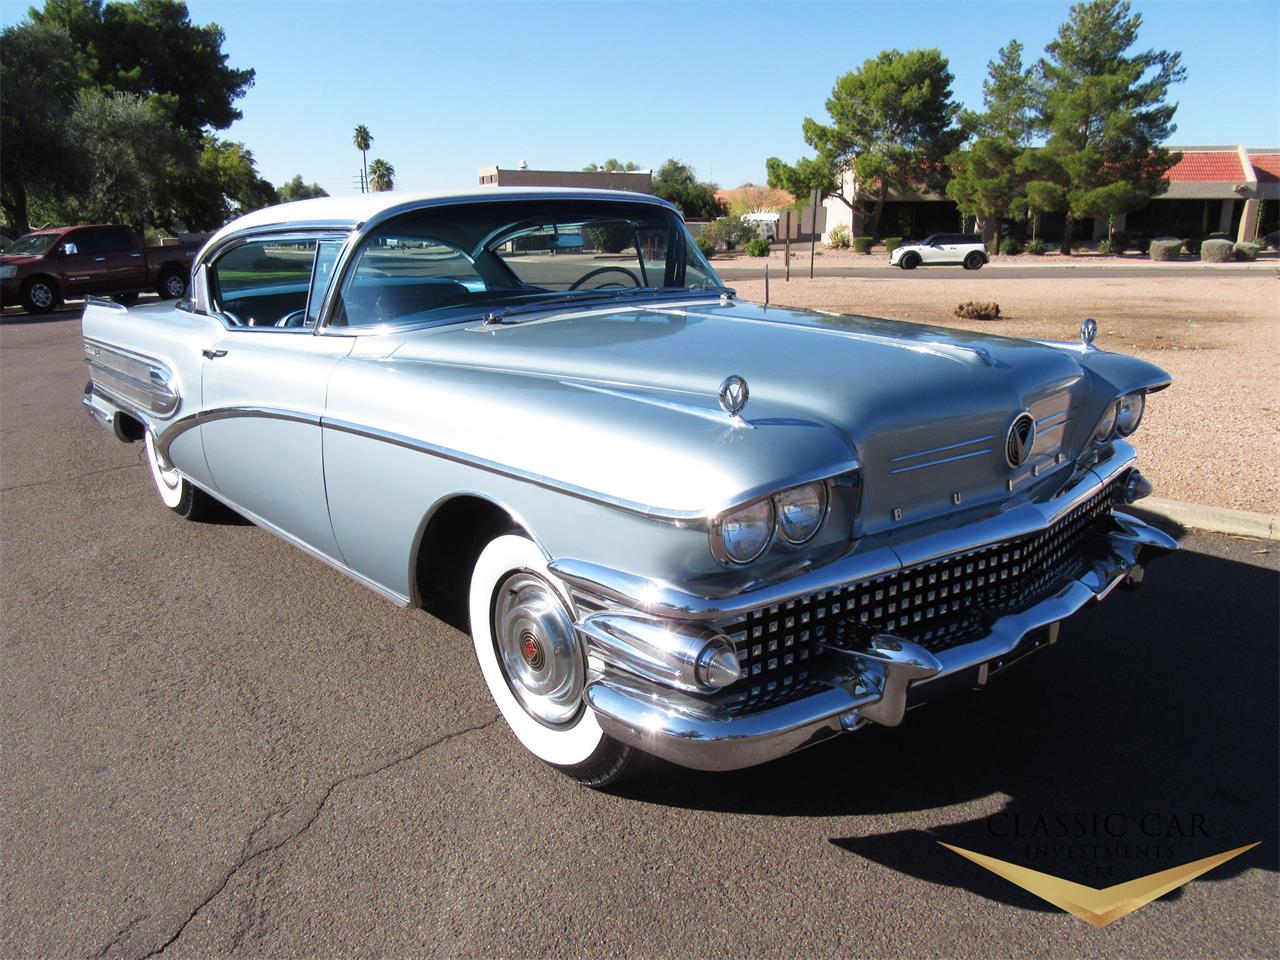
<point x="1211" y="438"/>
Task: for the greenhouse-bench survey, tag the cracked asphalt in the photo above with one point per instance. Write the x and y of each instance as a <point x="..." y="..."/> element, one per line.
<point x="212" y="745"/>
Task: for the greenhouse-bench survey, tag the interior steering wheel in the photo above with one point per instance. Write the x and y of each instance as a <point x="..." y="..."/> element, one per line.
<point x="635" y="281"/>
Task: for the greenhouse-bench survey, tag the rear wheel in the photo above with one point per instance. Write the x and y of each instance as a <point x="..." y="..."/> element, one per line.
<point x="39" y="295"/>
<point x="910" y="261"/>
<point x="178" y="494"/>
<point x="173" y="284"/>
<point x="534" y="663"/>
<point x="974" y="261"/>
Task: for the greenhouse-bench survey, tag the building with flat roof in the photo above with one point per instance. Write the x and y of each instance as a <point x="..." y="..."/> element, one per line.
<point x="1211" y="190"/>
<point x="637" y="181"/>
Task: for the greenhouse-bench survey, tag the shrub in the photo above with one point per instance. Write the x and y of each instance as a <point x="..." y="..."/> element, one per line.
<point x="891" y="244"/>
<point x="1217" y="251"/>
<point x="838" y="238"/>
<point x="1140" y="243"/>
<point x="730" y="231"/>
<point x="706" y="244"/>
<point x="757" y="247"/>
<point x="1011" y="246"/>
<point x="1036" y="247"/>
<point x="1247" y="251"/>
<point x="1106" y="247"/>
<point x="863" y="244"/>
<point x="978" y="310"/>
<point x="1192" y="245"/>
<point x="1217" y="236"/>
<point x="1165" y="248"/>
<point x="1271" y="240"/>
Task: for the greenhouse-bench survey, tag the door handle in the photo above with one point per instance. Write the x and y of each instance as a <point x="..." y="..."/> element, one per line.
<point x="99" y="259"/>
<point x="211" y="354"/>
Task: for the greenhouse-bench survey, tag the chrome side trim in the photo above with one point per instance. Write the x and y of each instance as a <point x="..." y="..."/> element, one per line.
<point x="180" y="426"/>
<point x="144" y="381"/>
<point x="679" y="517"/>
<point x="934" y="463"/>
<point x="665" y="599"/>
<point x="856" y="688"/>
<point x="950" y="446"/>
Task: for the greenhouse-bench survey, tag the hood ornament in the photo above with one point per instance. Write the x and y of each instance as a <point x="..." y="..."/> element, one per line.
<point x="733" y="394"/>
<point x="1088" y="332"/>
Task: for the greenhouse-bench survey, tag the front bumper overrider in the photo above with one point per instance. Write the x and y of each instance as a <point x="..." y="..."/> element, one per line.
<point x="872" y="685"/>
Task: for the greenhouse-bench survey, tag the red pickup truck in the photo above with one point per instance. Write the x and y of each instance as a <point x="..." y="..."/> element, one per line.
<point x="42" y="269"/>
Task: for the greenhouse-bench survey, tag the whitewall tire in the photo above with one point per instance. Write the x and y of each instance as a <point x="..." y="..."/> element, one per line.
<point x="176" y="492"/>
<point x="533" y="661"/>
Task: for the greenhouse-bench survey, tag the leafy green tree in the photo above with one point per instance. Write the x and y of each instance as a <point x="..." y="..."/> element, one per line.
<point x="1105" y="111"/>
<point x="129" y="155"/>
<point x="610" y="166"/>
<point x="225" y="184"/>
<point x="892" y="123"/>
<point x="985" y="182"/>
<point x="382" y="176"/>
<point x="296" y="189"/>
<point x="39" y="76"/>
<point x="677" y="182"/>
<point x="363" y="140"/>
<point x="152" y="49"/>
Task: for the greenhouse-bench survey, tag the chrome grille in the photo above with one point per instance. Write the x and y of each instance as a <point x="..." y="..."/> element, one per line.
<point x="937" y="604"/>
<point x="143" y="383"/>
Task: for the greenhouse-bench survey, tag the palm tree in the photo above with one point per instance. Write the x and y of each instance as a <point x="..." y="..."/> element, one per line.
<point x="363" y="140"/>
<point x="382" y="175"/>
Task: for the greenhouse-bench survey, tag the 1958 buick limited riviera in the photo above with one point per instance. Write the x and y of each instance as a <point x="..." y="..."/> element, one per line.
<point x="676" y="523"/>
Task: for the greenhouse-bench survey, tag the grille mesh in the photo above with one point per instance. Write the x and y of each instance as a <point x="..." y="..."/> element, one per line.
<point x="937" y="604"/>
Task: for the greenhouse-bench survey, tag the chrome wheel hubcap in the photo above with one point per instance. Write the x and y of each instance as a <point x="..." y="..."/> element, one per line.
<point x="176" y="286"/>
<point x="41" y="295"/>
<point x="535" y="641"/>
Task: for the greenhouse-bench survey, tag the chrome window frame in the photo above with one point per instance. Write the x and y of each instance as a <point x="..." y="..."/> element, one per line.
<point x="210" y="258"/>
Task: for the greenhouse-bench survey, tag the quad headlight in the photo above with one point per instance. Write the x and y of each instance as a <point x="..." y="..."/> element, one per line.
<point x="1121" y="418"/>
<point x="1129" y="413"/>
<point x="743" y="535"/>
<point x="801" y="511"/>
<point x="795" y="515"/>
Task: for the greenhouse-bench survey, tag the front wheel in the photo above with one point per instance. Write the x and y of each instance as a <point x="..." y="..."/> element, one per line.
<point x="178" y="494"/>
<point x="974" y="261"/>
<point x="909" y="261"/>
<point x="534" y="664"/>
<point x="39" y="295"/>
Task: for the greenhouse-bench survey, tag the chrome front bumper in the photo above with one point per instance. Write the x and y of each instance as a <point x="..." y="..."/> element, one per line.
<point x="875" y="685"/>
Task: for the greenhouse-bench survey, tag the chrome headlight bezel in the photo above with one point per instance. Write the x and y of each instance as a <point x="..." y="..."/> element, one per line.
<point x="823" y="508"/>
<point x="1105" y="430"/>
<point x="1136" y="400"/>
<point x="767" y="524"/>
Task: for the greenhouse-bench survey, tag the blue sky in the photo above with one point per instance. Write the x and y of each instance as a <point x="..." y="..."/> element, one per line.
<point x="448" y="87"/>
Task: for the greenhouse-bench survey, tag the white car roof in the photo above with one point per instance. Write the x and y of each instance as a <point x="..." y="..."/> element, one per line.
<point x="359" y="208"/>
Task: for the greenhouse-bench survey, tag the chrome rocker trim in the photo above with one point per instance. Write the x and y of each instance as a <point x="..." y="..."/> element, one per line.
<point x="872" y="686"/>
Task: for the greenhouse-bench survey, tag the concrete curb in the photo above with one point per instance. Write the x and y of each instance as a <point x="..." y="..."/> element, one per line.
<point x="1237" y="523"/>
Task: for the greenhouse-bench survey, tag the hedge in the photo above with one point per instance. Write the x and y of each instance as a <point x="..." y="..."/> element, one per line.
<point x="863" y="244"/>
<point x="1217" y="251"/>
<point x="891" y="244"/>
<point x="1165" y="248"/>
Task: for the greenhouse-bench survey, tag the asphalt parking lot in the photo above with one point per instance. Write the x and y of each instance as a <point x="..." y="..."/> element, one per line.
<point x="212" y="744"/>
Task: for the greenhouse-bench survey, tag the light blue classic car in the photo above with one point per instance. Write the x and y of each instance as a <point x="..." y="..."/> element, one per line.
<point x="675" y="523"/>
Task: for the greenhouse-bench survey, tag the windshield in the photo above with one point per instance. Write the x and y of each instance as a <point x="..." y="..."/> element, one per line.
<point x="454" y="262"/>
<point x="33" y="244"/>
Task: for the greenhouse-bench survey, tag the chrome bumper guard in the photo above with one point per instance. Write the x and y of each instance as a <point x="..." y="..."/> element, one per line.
<point x="875" y="685"/>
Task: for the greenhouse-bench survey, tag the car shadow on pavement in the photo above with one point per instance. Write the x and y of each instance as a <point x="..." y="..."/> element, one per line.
<point x="1147" y="738"/>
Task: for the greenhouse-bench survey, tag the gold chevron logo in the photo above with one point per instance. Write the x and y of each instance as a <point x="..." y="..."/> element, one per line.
<point x="1104" y="906"/>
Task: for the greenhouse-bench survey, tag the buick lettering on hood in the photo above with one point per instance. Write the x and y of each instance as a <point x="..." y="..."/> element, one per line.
<point x="674" y="523"/>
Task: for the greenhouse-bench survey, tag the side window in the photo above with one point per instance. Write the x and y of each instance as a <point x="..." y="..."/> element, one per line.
<point x="264" y="283"/>
<point x="115" y="240"/>
<point x="399" y="275"/>
<point x="84" y="242"/>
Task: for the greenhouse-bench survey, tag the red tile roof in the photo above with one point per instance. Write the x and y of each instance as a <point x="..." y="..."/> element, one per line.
<point x="1220" y="166"/>
<point x="1266" y="166"/>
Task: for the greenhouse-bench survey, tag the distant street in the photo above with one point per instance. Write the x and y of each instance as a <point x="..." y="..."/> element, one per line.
<point x="750" y="270"/>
